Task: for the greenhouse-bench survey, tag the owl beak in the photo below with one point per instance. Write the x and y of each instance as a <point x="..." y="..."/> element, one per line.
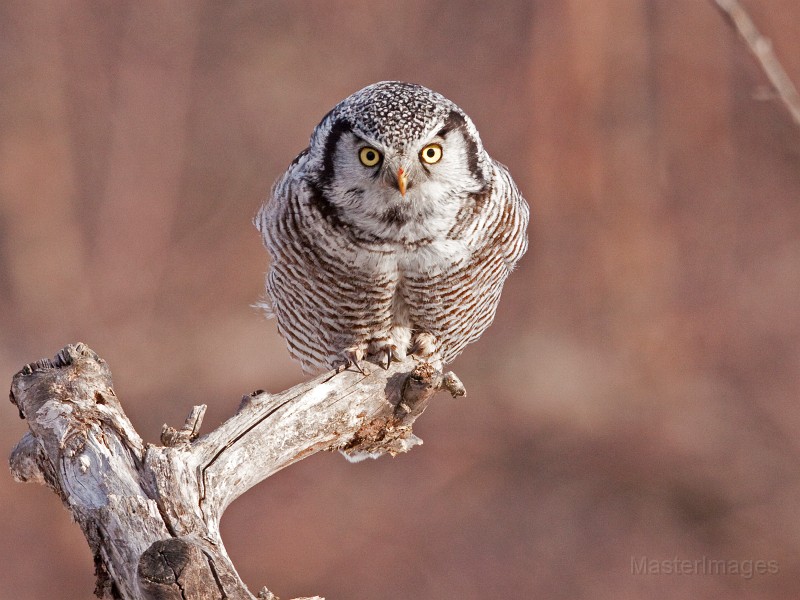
<point x="402" y="181"/>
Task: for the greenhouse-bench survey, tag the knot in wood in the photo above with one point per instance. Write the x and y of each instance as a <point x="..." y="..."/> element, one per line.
<point x="177" y="569"/>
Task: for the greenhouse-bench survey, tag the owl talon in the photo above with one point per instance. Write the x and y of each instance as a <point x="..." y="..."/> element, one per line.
<point x="388" y="352"/>
<point x="363" y="370"/>
<point x="385" y="355"/>
<point x="354" y="363"/>
<point x="352" y="358"/>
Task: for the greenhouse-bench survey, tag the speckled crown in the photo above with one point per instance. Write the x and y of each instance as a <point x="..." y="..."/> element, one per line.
<point x="393" y="112"/>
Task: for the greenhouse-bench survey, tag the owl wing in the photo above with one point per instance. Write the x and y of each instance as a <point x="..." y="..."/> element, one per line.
<point x="457" y="301"/>
<point x="512" y="227"/>
<point x="328" y="293"/>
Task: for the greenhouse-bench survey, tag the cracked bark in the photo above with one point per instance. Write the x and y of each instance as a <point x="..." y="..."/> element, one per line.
<point x="151" y="513"/>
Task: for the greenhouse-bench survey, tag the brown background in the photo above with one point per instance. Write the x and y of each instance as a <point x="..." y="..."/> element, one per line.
<point x="638" y="393"/>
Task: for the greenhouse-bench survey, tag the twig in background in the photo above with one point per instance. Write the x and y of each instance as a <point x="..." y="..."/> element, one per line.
<point x="761" y="47"/>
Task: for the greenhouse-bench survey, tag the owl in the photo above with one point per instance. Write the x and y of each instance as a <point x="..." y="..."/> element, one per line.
<point x="391" y="234"/>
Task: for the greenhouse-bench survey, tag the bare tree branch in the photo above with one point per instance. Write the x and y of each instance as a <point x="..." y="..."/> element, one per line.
<point x="761" y="47"/>
<point x="151" y="513"/>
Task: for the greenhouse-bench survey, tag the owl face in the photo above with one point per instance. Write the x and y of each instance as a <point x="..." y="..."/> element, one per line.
<point x="395" y="159"/>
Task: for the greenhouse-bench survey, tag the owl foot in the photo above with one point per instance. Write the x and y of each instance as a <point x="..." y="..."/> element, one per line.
<point x="352" y="357"/>
<point x="390" y="352"/>
<point x="424" y="349"/>
<point x="385" y="354"/>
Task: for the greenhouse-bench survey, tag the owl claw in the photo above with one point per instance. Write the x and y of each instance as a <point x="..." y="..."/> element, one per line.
<point x="391" y="354"/>
<point x="352" y="358"/>
<point x="364" y="371"/>
<point x="385" y="355"/>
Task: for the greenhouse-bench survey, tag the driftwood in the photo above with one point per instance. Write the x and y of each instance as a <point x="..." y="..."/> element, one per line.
<point x="151" y="513"/>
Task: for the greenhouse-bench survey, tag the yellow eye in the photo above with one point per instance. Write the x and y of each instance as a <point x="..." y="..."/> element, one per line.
<point x="369" y="157"/>
<point x="431" y="154"/>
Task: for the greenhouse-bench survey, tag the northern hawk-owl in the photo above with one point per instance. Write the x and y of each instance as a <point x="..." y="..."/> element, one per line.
<point x="392" y="233"/>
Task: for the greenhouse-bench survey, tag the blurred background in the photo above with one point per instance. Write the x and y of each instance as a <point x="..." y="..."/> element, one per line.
<point x="638" y="393"/>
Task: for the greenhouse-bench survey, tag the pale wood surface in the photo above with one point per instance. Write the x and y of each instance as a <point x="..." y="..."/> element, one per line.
<point x="151" y="513"/>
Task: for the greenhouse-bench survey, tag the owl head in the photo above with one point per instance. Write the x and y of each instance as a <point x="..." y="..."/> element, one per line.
<point x="394" y="156"/>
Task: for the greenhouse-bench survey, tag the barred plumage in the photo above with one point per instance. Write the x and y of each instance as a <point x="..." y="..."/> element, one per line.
<point x="393" y="232"/>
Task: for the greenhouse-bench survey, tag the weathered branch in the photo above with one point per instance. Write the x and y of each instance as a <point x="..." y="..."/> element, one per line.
<point x="151" y="513"/>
